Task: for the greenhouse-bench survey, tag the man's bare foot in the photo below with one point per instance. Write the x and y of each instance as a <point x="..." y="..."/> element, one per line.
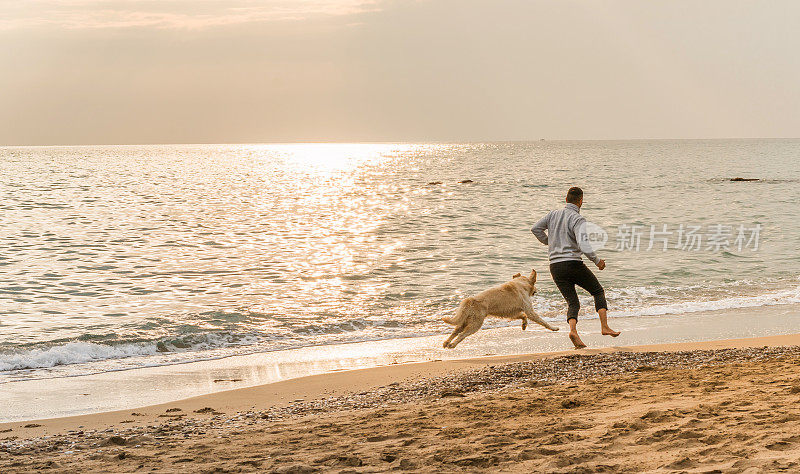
<point x="576" y="340"/>
<point x="607" y="331"/>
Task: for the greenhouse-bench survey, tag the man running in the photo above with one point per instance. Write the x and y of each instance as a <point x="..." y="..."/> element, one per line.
<point x="564" y="229"/>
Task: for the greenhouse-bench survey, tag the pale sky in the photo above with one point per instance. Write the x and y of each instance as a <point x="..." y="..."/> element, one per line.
<point x="229" y="71"/>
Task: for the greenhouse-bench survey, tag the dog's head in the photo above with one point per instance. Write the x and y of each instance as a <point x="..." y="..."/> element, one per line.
<point x="531" y="280"/>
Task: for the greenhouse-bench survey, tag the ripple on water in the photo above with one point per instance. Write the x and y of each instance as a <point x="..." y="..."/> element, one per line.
<point x="279" y="245"/>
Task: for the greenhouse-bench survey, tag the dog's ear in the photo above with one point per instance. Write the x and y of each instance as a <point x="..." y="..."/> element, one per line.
<point x="533" y="276"/>
<point x="516" y="275"/>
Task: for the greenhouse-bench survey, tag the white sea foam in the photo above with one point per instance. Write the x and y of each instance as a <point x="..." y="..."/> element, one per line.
<point x="789" y="296"/>
<point x="72" y="353"/>
<point x="733" y="302"/>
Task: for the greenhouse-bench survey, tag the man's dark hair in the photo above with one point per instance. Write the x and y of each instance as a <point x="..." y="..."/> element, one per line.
<point x="574" y="195"/>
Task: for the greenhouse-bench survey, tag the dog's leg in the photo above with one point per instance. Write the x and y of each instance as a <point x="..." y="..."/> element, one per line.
<point x="472" y="328"/>
<point x="531" y="314"/>
<point x="472" y="313"/>
<point x="455" y="333"/>
<point x="521" y="315"/>
<point x="473" y="320"/>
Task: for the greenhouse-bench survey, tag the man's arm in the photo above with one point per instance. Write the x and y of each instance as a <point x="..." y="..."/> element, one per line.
<point x="539" y="228"/>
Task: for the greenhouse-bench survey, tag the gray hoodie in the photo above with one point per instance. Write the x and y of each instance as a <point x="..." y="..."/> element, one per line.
<point x="564" y="227"/>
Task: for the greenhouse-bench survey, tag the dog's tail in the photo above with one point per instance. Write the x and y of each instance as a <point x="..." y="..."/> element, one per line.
<point x="462" y="312"/>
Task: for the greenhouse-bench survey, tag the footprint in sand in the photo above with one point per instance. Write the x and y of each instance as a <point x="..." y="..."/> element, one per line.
<point x="689" y="434"/>
<point x="712" y="439"/>
<point x="779" y="446"/>
<point x="682" y="463"/>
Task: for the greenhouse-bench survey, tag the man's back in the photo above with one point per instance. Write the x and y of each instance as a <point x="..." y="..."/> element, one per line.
<point x="564" y="228"/>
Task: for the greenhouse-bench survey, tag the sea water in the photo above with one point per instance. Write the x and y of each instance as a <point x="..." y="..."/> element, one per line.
<point x="117" y="257"/>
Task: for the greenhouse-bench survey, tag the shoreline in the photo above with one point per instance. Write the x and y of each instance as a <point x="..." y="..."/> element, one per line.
<point x="133" y="389"/>
<point x="718" y="405"/>
<point x="284" y="393"/>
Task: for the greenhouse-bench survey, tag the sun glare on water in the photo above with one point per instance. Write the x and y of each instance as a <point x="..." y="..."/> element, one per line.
<point x="327" y="158"/>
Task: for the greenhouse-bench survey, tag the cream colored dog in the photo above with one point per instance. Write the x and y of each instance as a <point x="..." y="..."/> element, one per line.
<point x="511" y="300"/>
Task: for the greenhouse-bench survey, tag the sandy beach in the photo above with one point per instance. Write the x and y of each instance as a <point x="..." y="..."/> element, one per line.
<point x="723" y="405"/>
<point x="351" y="236"/>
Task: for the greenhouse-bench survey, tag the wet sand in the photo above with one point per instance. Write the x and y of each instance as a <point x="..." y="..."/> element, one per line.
<point x="728" y="405"/>
<point x="60" y="397"/>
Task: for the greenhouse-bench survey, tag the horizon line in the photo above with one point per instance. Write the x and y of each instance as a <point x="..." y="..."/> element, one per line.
<point x="397" y="142"/>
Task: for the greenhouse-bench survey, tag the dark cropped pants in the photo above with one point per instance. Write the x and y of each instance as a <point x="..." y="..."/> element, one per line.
<point x="573" y="272"/>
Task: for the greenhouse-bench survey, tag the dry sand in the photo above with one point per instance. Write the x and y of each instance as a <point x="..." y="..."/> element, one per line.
<point x="725" y="405"/>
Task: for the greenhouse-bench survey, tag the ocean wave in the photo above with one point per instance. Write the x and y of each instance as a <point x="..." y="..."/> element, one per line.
<point x="76" y="352"/>
<point x="82" y="352"/>
<point x="626" y="302"/>
<point x="733" y="302"/>
<point x="789" y="296"/>
<point x="97" y="348"/>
